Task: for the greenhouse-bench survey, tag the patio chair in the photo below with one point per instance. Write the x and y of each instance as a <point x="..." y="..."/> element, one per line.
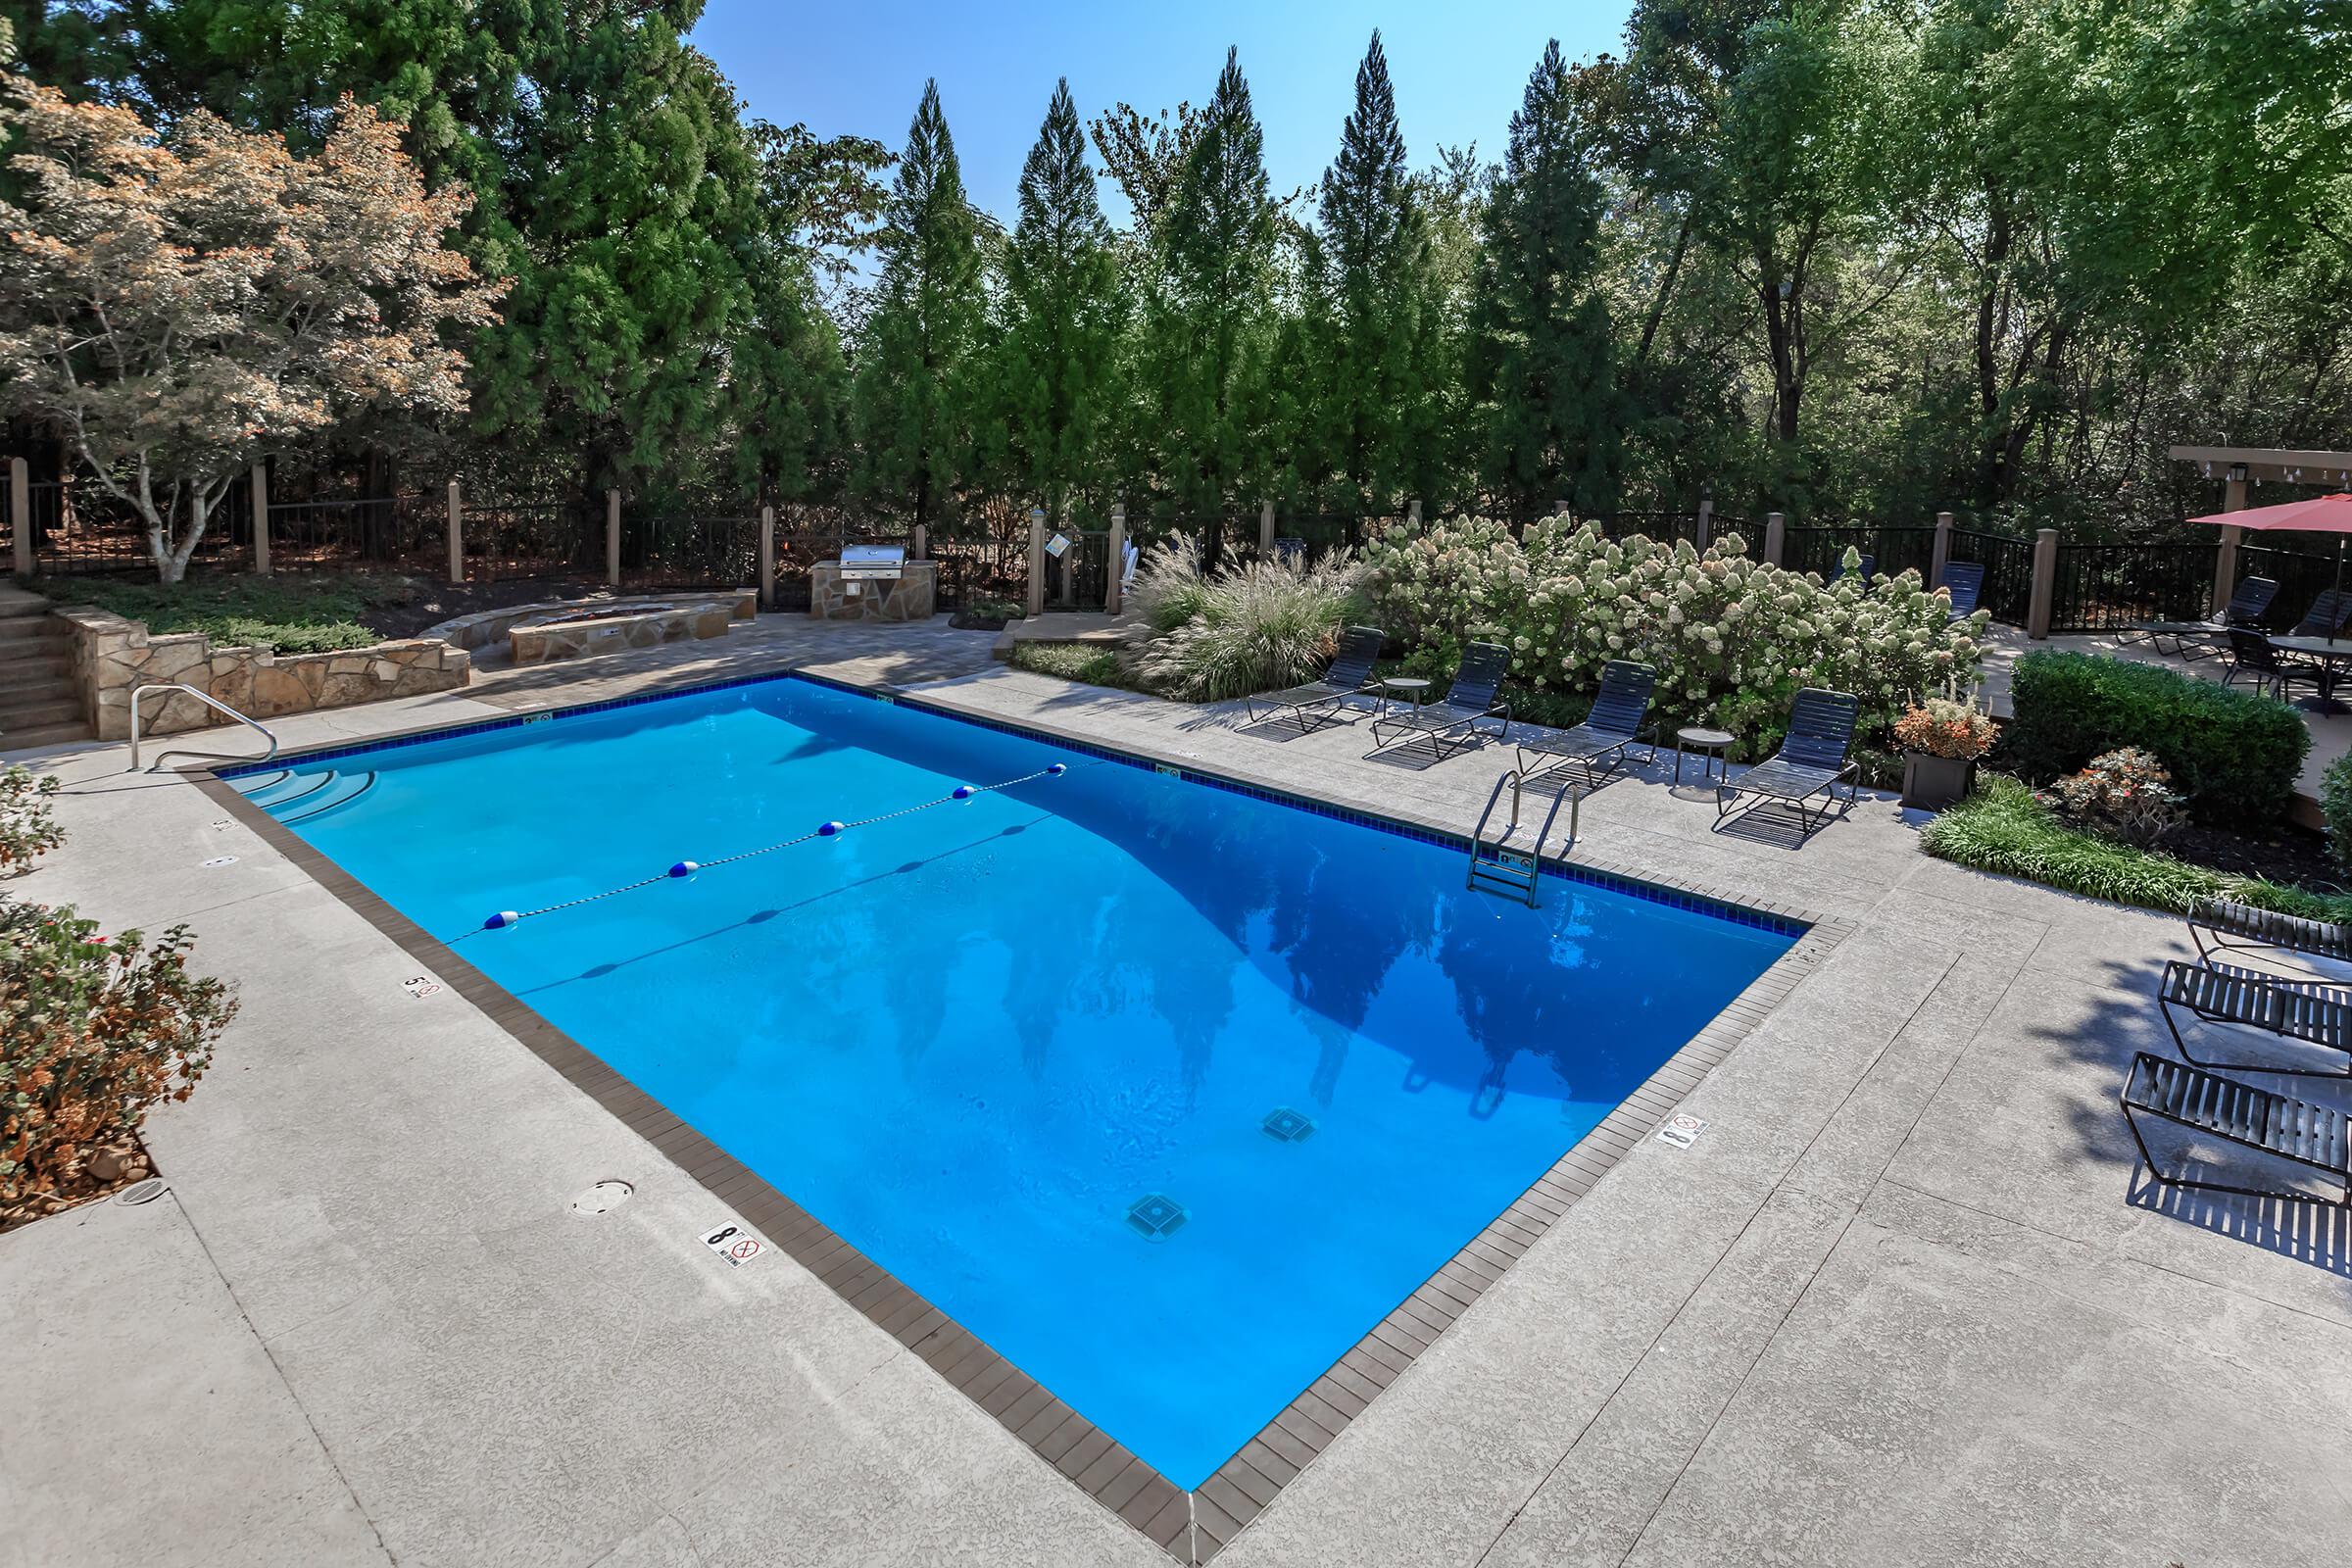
<point x="1964" y="581"/>
<point x="1318" y="702"/>
<point x="1866" y="570"/>
<point x="1619" y="709"/>
<point x="2251" y="656"/>
<point x="1452" y="721"/>
<point x="2327" y="616"/>
<point x="1131" y="557"/>
<point x="2248" y="604"/>
<point x="2304" y="1011"/>
<point x="2312" y="1136"/>
<point x="1812" y="760"/>
<point x="2221" y="926"/>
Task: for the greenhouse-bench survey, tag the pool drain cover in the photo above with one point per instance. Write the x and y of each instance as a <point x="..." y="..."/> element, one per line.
<point x="1284" y="1125"/>
<point x="1156" y="1217"/>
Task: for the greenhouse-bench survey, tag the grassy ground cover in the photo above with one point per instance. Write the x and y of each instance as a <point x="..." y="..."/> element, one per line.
<point x="292" y="614"/>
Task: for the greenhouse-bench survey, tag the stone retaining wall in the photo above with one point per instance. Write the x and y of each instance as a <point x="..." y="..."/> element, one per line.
<point x="112" y="655"/>
<point x="486" y="628"/>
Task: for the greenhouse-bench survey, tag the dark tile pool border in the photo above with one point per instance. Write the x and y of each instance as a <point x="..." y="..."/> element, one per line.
<point x="1192" y="1526"/>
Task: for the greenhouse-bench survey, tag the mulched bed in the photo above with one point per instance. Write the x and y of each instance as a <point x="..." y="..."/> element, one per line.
<point x="427" y="602"/>
<point x="2292" y="855"/>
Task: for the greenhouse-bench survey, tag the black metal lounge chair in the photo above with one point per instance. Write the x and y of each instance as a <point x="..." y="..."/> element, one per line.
<point x="2306" y="1011"/>
<point x="1452" y="721"/>
<point x="1812" y="760"/>
<point x="2248" y="604"/>
<point x="2328" y="615"/>
<point x="1619" y="709"/>
<point x="1317" y="703"/>
<point x="2220" y="925"/>
<point x="2252" y="658"/>
<point x="1964" y="581"/>
<point x="2313" y="1136"/>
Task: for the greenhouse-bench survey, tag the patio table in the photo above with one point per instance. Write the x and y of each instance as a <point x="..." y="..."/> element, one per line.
<point x="2331" y="654"/>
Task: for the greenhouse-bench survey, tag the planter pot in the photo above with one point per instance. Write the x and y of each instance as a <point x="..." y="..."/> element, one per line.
<point x="1931" y="783"/>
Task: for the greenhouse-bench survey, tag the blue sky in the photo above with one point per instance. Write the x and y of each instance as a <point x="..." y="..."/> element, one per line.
<point x="1459" y="66"/>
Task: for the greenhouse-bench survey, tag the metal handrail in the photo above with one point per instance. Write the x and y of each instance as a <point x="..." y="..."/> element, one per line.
<point x="1517" y="781"/>
<point x="208" y="701"/>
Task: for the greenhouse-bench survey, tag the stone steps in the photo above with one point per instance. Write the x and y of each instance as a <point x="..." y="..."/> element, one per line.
<point x="38" y="705"/>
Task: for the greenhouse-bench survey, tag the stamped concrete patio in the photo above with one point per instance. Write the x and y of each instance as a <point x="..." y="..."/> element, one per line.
<point x="1907" y="1301"/>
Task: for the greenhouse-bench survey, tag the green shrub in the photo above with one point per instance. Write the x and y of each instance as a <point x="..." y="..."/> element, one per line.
<point x="2004" y="828"/>
<point x="1097" y="667"/>
<point x="2335" y="808"/>
<point x="293" y="615"/>
<point x="2234" y="754"/>
<point x="1251" y="628"/>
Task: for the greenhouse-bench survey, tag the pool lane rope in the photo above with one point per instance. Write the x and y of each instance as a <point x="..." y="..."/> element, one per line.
<point x="508" y="919"/>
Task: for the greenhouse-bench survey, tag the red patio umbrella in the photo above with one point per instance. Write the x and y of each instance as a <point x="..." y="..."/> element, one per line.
<point x="2319" y="514"/>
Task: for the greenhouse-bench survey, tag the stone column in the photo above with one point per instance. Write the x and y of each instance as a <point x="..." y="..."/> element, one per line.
<point x="768" y="558"/>
<point x="2225" y="558"/>
<point x="1943" y="556"/>
<point x="260" y="517"/>
<point x="1114" y="597"/>
<point x="457" y="534"/>
<point x="20" y="516"/>
<point x="1265" y="530"/>
<point x="1776" y="538"/>
<point x="1036" y="560"/>
<point x="1412" y="513"/>
<point x="1706" y="517"/>
<point x="921" y="550"/>
<point x="2045" y="583"/>
<point x="613" y="537"/>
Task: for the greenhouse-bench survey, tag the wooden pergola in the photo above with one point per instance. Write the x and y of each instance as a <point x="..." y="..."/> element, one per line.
<point x="2240" y="468"/>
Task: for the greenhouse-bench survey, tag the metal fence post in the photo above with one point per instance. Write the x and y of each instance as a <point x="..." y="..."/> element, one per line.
<point x="2045" y="583"/>
<point x="1776" y="539"/>
<point x="1036" y="562"/>
<point x="457" y="534"/>
<point x="1943" y="556"/>
<point x="1265" y="530"/>
<point x="1113" y="589"/>
<point x="20" y="514"/>
<point x="768" y="558"/>
<point x="613" y="537"/>
<point x="260" y="486"/>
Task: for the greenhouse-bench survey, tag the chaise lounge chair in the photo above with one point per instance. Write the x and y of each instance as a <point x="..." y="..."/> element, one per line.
<point x="2305" y="1011"/>
<point x="2219" y="925"/>
<point x="1317" y="703"/>
<point x="1619" y="709"/>
<point x="1452" y="721"/>
<point x="2239" y="1113"/>
<point x="1812" y="760"/>
<point x="2197" y="639"/>
<point x="2328" y="615"/>
<point x="1964" y="583"/>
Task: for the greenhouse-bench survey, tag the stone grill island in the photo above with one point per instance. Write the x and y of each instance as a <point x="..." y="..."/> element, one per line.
<point x="858" y="590"/>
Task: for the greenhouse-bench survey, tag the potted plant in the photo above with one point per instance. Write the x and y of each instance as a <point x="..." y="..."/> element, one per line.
<point x="1942" y="740"/>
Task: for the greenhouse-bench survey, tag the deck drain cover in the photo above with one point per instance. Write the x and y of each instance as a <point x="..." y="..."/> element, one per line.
<point x="1286" y="1125"/>
<point x="145" y="1191"/>
<point x="1156" y="1217"/>
<point x="603" y="1197"/>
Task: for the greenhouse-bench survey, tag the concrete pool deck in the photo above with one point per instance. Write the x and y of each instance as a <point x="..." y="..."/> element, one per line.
<point x="1906" y="1300"/>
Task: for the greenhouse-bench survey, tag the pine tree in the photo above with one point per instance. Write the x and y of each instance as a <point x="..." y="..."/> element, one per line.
<point x="1540" y="354"/>
<point x="1063" y="311"/>
<point x="1211" y="310"/>
<point x="916" y="368"/>
<point x="1381" y="411"/>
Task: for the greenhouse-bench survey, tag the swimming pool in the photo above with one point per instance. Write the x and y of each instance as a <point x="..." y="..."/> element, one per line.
<point x="1167" y="1092"/>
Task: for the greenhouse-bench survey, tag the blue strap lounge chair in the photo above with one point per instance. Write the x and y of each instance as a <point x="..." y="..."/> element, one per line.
<point x="2313" y="1136"/>
<point x="1812" y="760"/>
<point x="1318" y="702"/>
<point x="1964" y="581"/>
<point x="1452" y="721"/>
<point x="1595" y="747"/>
<point x="2248" y="604"/>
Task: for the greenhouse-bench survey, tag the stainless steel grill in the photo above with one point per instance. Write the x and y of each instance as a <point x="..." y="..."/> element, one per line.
<point x="872" y="562"/>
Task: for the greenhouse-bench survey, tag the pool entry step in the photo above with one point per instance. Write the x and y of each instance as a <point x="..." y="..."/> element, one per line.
<point x="293" y="797"/>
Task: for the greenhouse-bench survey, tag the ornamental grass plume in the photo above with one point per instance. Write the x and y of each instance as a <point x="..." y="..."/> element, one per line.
<point x="1252" y="628"/>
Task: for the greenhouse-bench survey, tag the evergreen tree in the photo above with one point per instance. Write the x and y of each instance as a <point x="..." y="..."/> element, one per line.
<point x="917" y="370"/>
<point x="1374" y="246"/>
<point x="1062" y="316"/>
<point x="1210" y="308"/>
<point x="1539" y="354"/>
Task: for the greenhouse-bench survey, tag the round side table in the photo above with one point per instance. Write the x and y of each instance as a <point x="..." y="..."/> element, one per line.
<point x="1395" y="688"/>
<point x="1710" y="743"/>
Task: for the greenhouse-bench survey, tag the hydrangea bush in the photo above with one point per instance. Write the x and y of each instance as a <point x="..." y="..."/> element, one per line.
<point x="1733" y="639"/>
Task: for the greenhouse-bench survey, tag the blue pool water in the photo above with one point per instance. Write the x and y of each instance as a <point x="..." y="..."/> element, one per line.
<point x="972" y="1039"/>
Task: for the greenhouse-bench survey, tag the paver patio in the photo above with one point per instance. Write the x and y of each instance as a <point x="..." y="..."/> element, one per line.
<point x="1905" y="1301"/>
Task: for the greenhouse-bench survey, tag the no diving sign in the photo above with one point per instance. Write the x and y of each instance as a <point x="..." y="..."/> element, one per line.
<point x="1682" y="1129"/>
<point x="734" y="1244"/>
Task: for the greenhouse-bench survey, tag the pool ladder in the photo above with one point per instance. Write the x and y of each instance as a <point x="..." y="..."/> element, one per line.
<point x="1503" y="863"/>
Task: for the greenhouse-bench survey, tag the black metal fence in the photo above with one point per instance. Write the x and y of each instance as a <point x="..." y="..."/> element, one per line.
<point x="1891" y="548"/>
<point x="2008" y="564"/>
<point x="694" y="549"/>
<point x="2106" y="587"/>
<point x="506" y="538"/>
<point x="338" y="531"/>
<point x="2302" y="575"/>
